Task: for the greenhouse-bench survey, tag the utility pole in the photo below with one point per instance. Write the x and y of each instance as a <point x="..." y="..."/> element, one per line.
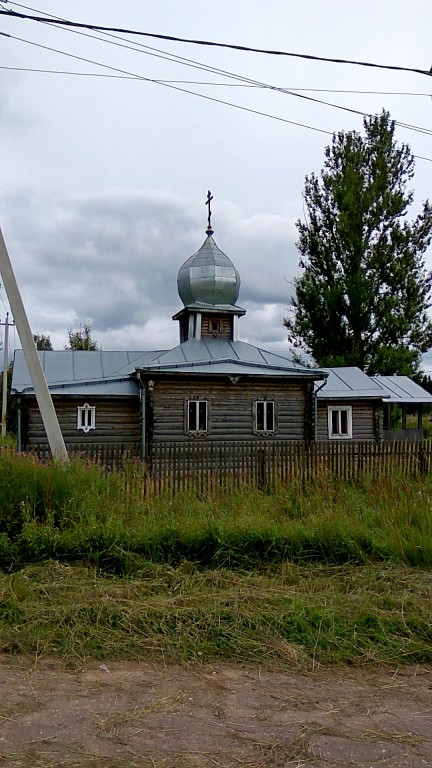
<point x="6" y="324"/>
<point x="43" y="395"/>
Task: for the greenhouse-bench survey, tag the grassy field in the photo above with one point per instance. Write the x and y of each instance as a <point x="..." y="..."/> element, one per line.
<point x="319" y="571"/>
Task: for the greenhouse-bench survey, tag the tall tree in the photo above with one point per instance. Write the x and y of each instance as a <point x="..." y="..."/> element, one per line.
<point x="364" y="294"/>
<point x="42" y="342"/>
<point x="82" y="338"/>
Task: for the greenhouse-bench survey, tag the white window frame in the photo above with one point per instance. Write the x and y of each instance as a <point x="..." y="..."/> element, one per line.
<point x="266" y="430"/>
<point x="197" y="402"/>
<point x="339" y="409"/>
<point x="86" y="419"/>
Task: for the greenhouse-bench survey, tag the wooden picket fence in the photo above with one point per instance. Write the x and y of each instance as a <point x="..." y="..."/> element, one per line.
<point x="176" y="466"/>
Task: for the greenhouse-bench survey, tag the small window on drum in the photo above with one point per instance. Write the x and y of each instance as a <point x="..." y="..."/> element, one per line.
<point x="215" y="325"/>
<point x="197" y="417"/>
<point x="86" y="417"/>
<point x="264" y="416"/>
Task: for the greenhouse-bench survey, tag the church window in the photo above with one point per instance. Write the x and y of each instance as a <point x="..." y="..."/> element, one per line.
<point x="264" y="416"/>
<point x="86" y="417"/>
<point x="197" y="417"/>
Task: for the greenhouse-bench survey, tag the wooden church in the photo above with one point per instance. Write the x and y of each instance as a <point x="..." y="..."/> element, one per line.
<point x="212" y="387"/>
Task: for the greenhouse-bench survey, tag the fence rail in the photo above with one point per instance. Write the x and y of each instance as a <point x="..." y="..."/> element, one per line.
<point x="181" y="466"/>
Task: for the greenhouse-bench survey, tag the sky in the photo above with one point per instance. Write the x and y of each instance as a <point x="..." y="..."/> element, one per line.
<point x="104" y="179"/>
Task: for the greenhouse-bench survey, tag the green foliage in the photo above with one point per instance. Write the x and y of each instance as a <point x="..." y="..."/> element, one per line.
<point x="82" y="338"/>
<point x="42" y="342"/>
<point x="286" y="614"/>
<point x="317" y="570"/>
<point x="364" y="293"/>
<point x="80" y="512"/>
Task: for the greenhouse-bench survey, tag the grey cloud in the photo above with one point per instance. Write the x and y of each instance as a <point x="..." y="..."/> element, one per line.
<point x="114" y="257"/>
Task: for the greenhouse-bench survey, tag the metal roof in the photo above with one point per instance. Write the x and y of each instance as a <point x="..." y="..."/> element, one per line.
<point x="213" y="356"/>
<point x="401" y="389"/>
<point x="76" y="371"/>
<point x="348" y="382"/>
<point x="208" y="277"/>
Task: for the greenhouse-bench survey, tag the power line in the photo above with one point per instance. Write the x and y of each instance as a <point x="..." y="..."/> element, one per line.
<point x="243" y="48"/>
<point x="174" y="87"/>
<point x="212" y="83"/>
<point x="198" y="65"/>
<point x="183" y="90"/>
<point x="207" y="68"/>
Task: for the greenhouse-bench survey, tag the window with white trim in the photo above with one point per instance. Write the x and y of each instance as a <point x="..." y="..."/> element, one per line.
<point x="264" y="416"/>
<point x="86" y="417"/>
<point x="197" y="417"/>
<point x="339" y="422"/>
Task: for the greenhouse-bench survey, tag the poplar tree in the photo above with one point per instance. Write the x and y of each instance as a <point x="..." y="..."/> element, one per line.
<point x="364" y="293"/>
<point x="82" y="338"/>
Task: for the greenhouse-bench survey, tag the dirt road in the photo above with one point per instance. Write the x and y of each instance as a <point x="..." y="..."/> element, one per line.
<point x="124" y="714"/>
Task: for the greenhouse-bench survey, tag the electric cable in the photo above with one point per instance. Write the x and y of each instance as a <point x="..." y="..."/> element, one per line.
<point x="209" y="98"/>
<point x="212" y="43"/>
<point x="210" y="83"/>
<point x="225" y="73"/>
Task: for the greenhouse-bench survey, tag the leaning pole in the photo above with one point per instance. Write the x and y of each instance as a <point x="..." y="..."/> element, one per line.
<point x="43" y="396"/>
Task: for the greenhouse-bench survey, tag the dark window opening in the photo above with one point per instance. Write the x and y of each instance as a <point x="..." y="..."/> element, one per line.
<point x="197" y="416"/>
<point x="265" y="421"/>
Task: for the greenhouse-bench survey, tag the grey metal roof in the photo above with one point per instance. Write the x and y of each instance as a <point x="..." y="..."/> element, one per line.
<point x="72" y="372"/>
<point x="348" y="383"/>
<point x="213" y="356"/>
<point x="76" y="371"/>
<point x="401" y="389"/>
<point x="208" y="277"/>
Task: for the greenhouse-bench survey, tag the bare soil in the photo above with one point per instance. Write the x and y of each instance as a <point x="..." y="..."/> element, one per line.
<point x="126" y="714"/>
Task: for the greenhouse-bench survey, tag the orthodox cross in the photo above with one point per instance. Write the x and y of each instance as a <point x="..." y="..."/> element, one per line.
<point x="208" y="201"/>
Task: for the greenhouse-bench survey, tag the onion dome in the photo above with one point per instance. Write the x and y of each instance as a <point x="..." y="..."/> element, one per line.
<point x="208" y="277"/>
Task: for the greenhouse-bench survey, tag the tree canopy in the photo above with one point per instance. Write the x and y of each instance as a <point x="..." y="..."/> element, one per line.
<point x="82" y="338"/>
<point x="364" y="293"/>
<point x="42" y="342"/>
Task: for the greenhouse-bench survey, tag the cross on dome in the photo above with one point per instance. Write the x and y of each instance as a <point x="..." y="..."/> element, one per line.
<point x="208" y="201"/>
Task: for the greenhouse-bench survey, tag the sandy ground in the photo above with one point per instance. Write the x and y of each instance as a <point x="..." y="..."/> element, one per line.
<point x="140" y="714"/>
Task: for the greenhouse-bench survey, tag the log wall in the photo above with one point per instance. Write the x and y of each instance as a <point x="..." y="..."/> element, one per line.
<point x="367" y="419"/>
<point x="230" y="409"/>
<point x="117" y="422"/>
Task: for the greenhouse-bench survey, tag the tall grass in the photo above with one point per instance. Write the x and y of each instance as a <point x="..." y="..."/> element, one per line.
<point x="322" y="570"/>
<point x="80" y="512"/>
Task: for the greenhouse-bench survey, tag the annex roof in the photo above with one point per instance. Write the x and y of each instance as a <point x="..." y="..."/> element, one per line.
<point x="220" y="356"/>
<point x="348" y="383"/>
<point x="83" y="372"/>
<point x="401" y="389"/>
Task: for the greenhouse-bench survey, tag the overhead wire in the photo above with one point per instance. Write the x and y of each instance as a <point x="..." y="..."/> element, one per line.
<point x="170" y="85"/>
<point x="209" y="82"/>
<point x="215" y="44"/>
<point x="48" y="20"/>
<point x="208" y="68"/>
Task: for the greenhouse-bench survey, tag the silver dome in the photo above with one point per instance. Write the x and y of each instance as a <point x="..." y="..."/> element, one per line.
<point x="208" y="277"/>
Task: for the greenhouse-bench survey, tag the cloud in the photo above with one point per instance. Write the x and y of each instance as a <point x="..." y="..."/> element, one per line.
<point x="113" y="257"/>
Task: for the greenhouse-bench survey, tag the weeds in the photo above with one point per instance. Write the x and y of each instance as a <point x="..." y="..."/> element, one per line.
<point x="324" y="571"/>
<point x="81" y="513"/>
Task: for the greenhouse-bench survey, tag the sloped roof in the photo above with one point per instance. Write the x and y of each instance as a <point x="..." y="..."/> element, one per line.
<point x="220" y="356"/>
<point x="348" y="382"/>
<point x="401" y="389"/>
<point x="76" y="372"/>
<point x="79" y="372"/>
